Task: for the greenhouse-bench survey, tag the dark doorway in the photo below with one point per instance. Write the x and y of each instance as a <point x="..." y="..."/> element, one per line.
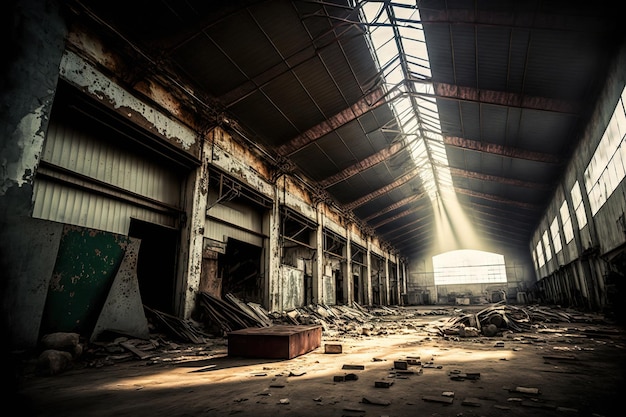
<point x="240" y="270"/>
<point x="156" y="264"/>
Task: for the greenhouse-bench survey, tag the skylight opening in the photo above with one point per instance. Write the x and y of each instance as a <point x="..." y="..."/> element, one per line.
<point x="399" y="47"/>
<point x="397" y="34"/>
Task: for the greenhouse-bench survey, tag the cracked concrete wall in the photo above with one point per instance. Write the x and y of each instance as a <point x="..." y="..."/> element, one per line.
<point x="36" y="39"/>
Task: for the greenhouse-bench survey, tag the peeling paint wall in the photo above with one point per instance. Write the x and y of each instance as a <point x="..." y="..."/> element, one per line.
<point x="35" y="40"/>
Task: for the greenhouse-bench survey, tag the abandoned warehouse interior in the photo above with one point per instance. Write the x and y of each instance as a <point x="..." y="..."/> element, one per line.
<point x="423" y="186"/>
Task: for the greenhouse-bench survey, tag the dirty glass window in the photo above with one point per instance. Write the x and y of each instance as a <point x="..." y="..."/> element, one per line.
<point x="579" y="207"/>
<point x="546" y="245"/>
<point x="607" y="167"/>
<point x="568" y="231"/>
<point x="556" y="235"/>
<point x="541" y="261"/>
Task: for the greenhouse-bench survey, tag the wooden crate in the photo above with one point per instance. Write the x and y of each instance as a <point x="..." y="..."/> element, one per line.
<point x="274" y="342"/>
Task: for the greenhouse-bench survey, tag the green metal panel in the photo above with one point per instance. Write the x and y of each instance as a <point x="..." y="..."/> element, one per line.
<point x="85" y="267"/>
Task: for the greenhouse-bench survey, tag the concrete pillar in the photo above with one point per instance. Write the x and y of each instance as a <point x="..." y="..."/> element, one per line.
<point x="368" y="274"/>
<point x="35" y="39"/>
<point x="387" y="288"/>
<point x="318" y="269"/>
<point x="273" y="247"/>
<point x="192" y="235"/>
<point x="348" y="280"/>
<point x="399" y="283"/>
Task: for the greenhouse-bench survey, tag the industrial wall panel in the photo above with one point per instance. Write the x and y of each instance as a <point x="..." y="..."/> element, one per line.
<point x="234" y="220"/>
<point x="85" y="180"/>
<point x="244" y="216"/>
<point x="221" y="232"/>
<point x="64" y="204"/>
<point x="84" y="153"/>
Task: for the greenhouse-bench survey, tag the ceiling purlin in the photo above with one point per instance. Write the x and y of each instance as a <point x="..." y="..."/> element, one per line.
<point x="395" y="234"/>
<point x="501" y="180"/>
<point x="501" y="234"/>
<point x="369" y="102"/>
<point x="490" y="197"/>
<point x="393" y="218"/>
<point x="381" y="191"/>
<point x="506" y="99"/>
<point x="372" y="160"/>
<point x="423" y="233"/>
<point x="482" y="216"/>
<point x="504" y="223"/>
<point x="495" y="149"/>
<point x="517" y="19"/>
<point x="490" y="210"/>
<point x="394" y="206"/>
<point x="288" y="64"/>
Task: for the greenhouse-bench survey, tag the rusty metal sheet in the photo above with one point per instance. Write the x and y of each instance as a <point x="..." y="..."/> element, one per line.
<point x="275" y="342"/>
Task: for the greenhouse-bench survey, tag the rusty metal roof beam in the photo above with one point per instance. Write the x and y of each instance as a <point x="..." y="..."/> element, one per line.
<point x="500" y="98"/>
<point x="490" y="210"/>
<point x="393" y="218"/>
<point x="519" y="19"/>
<point x="381" y="191"/>
<point x="427" y="234"/>
<point x="497" y="199"/>
<point x="394" y="206"/>
<point x="362" y="165"/>
<point x="501" y="180"/>
<point x="495" y="149"/>
<point x="370" y="102"/>
<point x="420" y="221"/>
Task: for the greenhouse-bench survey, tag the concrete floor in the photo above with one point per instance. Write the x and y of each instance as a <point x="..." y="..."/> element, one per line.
<point x="569" y="369"/>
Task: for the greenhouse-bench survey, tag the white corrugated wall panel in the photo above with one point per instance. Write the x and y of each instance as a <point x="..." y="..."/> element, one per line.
<point x="236" y="221"/>
<point x="79" y="152"/>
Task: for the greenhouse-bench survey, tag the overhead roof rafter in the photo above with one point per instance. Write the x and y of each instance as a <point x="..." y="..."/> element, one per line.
<point x="495" y="149"/>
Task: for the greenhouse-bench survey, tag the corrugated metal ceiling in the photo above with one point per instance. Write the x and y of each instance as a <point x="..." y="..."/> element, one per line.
<point x="514" y="83"/>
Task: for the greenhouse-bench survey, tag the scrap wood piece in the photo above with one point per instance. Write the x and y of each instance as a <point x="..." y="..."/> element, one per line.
<point x="438" y="399"/>
<point x="353" y="367"/>
<point x="560" y="357"/>
<point x="248" y="310"/>
<point x="227" y="314"/>
<point x="177" y="327"/>
<point x="375" y="401"/>
<point x="131" y="348"/>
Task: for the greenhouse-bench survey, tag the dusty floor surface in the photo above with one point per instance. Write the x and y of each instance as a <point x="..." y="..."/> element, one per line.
<point x="577" y="369"/>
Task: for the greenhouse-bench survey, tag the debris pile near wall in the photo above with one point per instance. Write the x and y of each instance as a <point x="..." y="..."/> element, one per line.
<point x="499" y="317"/>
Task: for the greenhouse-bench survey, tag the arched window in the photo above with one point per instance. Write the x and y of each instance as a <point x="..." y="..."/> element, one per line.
<point x="468" y="267"/>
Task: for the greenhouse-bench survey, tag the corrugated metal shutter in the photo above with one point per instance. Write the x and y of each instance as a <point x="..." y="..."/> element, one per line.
<point x="236" y="221"/>
<point x="86" y="180"/>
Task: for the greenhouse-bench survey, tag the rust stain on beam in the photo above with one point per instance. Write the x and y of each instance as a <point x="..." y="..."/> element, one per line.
<point x="496" y="149"/>
<point x="360" y="166"/>
<point x="422" y="236"/>
<point x="455" y="92"/>
<point x="519" y="19"/>
<point x="394" y="206"/>
<point x="367" y="103"/>
<point x="393" y="218"/>
<point x="491" y="197"/>
<point x="394" y="233"/>
<point x="485" y="209"/>
<point x="384" y="190"/>
<point x="502" y="180"/>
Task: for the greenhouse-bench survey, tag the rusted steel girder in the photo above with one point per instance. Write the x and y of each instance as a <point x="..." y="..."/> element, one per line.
<point x="394" y="206"/>
<point x="496" y="149"/>
<point x="375" y="194"/>
<point x="491" y="197"/>
<point x="502" y="180"/>
<point x="367" y="103"/>
<point x="456" y="92"/>
<point x="362" y="165"/>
